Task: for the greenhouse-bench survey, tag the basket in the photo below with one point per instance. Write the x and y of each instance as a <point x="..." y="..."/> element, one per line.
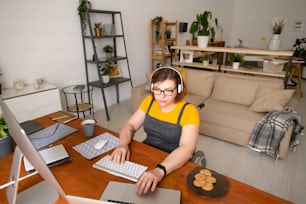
<point x="273" y="66"/>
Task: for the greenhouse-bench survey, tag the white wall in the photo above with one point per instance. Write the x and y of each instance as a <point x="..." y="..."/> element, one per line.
<point x="253" y="19"/>
<point x="42" y="38"/>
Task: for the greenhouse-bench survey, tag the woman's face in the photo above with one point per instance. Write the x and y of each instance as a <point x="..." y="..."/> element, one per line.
<point x="165" y="93"/>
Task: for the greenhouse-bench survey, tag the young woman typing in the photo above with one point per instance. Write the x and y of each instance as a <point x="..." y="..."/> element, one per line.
<point x="171" y="125"/>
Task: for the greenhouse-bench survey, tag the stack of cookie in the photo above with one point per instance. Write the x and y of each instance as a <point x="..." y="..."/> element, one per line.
<point x="204" y="180"/>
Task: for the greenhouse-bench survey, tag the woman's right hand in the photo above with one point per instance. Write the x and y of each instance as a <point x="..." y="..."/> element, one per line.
<point x="120" y="154"/>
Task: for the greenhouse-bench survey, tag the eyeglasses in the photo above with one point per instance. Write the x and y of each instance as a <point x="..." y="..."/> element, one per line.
<point x="166" y="92"/>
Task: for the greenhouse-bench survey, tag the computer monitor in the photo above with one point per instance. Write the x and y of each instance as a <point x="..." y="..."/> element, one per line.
<point x="26" y="147"/>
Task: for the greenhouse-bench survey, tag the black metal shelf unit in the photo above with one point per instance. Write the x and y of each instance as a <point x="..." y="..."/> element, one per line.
<point x="94" y="60"/>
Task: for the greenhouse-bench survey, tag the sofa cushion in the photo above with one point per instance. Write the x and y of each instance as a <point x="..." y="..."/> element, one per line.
<point x="240" y="89"/>
<point x="269" y="99"/>
<point x="199" y="82"/>
<point x="194" y="99"/>
<point x="229" y="115"/>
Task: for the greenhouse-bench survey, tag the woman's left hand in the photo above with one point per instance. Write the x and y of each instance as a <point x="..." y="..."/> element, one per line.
<point x="149" y="180"/>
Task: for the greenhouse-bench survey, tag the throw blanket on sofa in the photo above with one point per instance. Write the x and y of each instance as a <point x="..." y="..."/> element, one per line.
<point x="269" y="131"/>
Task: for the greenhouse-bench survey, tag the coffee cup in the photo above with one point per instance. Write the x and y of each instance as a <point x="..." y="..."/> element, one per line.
<point x="88" y="127"/>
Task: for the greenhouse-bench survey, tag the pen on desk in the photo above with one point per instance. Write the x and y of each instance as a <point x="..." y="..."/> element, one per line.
<point x="60" y="117"/>
<point x="66" y="121"/>
<point x="116" y="201"/>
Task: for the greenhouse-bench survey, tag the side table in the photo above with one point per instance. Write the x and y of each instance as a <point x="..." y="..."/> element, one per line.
<point x="79" y="100"/>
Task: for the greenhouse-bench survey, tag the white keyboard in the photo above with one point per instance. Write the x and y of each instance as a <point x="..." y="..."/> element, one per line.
<point x="128" y="169"/>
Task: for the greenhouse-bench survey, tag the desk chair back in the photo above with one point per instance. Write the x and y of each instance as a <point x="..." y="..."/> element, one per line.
<point x="29" y="151"/>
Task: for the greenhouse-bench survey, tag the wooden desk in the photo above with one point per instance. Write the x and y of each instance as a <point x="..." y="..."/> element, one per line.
<point x="78" y="177"/>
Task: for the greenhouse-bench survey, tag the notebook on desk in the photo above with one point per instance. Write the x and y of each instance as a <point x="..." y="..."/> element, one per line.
<point x="50" y="134"/>
<point x="30" y="126"/>
<point x="126" y="193"/>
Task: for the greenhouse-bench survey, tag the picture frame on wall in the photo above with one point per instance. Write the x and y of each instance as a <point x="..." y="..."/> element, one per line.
<point x="115" y="72"/>
<point x="186" y="56"/>
<point x="166" y="50"/>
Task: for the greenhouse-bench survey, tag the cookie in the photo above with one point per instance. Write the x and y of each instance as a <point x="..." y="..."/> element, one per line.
<point x="207" y="186"/>
<point x="200" y="176"/>
<point x="199" y="183"/>
<point x="211" y="179"/>
<point x="205" y="172"/>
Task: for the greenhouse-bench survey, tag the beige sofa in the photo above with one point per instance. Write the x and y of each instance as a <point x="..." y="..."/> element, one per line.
<point x="233" y="103"/>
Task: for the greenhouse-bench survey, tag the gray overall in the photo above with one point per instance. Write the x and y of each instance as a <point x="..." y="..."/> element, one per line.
<point x="162" y="135"/>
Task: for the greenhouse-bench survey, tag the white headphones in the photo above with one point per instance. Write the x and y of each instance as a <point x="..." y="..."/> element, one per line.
<point x="179" y="86"/>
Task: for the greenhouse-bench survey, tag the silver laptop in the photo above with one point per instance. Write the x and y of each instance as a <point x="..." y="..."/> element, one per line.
<point x="126" y="193"/>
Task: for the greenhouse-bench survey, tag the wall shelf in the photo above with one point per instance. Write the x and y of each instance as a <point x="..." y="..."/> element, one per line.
<point x="284" y="54"/>
<point x="93" y="58"/>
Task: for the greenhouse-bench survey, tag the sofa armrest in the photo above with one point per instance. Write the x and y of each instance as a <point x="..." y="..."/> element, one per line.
<point x="138" y="94"/>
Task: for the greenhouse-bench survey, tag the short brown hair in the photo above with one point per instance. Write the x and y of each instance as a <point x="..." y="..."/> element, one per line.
<point x="164" y="73"/>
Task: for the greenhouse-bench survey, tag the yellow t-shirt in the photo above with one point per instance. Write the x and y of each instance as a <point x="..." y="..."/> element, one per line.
<point x="190" y="115"/>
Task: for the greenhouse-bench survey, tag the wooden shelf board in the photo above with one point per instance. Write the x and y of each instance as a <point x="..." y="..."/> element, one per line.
<point x="256" y="71"/>
<point x="113" y="81"/>
<point x="236" y="50"/>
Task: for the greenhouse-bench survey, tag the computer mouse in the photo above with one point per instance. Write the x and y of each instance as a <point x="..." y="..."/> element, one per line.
<point x="100" y="144"/>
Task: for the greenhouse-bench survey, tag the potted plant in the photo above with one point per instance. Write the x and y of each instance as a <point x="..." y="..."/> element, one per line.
<point x="108" y="50"/>
<point x="206" y="58"/>
<point x="277" y="28"/>
<point x="83" y="5"/>
<point x="105" y="69"/>
<point x="168" y="33"/>
<point x="212" y="33"/>
<point x="300" y="48"/>
<point x="235" y="59"/>
<point x="202" y="28"/>
<point x="98" y="29"/>
<point x="6" y="141"/>
<point x="156" y="22"/>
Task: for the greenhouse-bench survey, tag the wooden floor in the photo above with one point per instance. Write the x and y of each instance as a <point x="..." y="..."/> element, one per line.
<point x="285" y="178"/>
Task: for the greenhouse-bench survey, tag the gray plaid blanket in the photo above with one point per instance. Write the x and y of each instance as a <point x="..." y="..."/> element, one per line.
<point x="270" y="130"/>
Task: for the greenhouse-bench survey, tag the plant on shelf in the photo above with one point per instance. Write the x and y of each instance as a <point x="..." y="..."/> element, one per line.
<point x="206" y="58"/>
<point x="98" y="29"/>
<point x="235" y="59"/>
<point x="300" y="48"/>
<point x="105" y="69"/>
<point x="168" y="33"/>
<point x="83" y="5"/>
<point x="203" y="26"/>
<point x="212" y="33"/>
<point x="278" y="26"/>
<point x="108" y="50"/>
<point x="156" y="22"/>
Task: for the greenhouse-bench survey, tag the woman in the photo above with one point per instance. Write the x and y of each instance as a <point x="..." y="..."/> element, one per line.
<point x="171" y="125"/>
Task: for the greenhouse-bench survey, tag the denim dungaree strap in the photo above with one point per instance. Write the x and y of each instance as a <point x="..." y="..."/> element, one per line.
<point x="162" y="135"/>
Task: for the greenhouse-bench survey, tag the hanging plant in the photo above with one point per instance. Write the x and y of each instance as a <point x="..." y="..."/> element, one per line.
<point x="83" y="5"/>
<point x="300" y="48"/>
<point x="156" y="23"/>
